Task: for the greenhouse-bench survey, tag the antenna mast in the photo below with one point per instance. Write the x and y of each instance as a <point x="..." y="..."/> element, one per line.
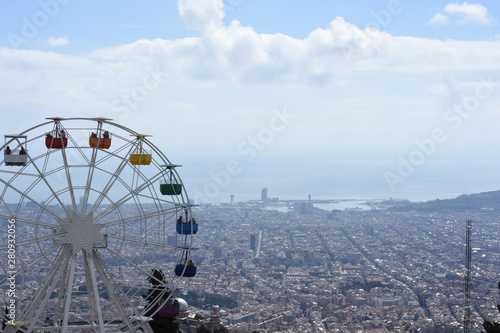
<point x="468" y="257"/>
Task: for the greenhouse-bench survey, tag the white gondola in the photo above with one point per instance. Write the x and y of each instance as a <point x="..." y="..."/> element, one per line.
<point x="15" y="151"/>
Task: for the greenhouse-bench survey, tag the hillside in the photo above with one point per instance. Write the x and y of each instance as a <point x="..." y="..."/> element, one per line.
<point x="477" y="201"/>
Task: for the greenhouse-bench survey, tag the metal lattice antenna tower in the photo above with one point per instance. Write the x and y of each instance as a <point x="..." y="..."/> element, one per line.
<point x="468" y="257"/>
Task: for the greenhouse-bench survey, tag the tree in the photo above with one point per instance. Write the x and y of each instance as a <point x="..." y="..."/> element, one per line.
<point x="493" y="326"/>
<point x="202" y="329"/>
<point x="159" y="324"/>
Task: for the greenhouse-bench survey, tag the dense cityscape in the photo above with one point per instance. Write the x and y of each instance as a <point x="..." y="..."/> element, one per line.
<point x="302" y="269"/>
<point x="289" y="266"/>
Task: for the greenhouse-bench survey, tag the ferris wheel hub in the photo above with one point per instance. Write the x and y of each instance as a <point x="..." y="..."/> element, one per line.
<point x="81" y="232"/>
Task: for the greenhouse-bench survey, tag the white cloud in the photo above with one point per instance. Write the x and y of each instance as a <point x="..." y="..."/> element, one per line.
<point x="463" y="13"/>
<point x="235" y="55"/>
<point x="220" y="87"/>
<point x="439" y="19"/>
<point x="201" y="15"/>
<point x="57" y="41"/>
<point x="470" y="13"/>
<point x="238" y="55"/>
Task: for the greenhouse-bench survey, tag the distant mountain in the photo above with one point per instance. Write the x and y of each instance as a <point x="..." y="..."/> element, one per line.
<point x="478" y="201"/>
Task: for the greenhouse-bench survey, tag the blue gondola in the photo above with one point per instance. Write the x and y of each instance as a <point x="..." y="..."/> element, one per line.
<point x="187" y="228"/>
<point x="186" y="225"/>
<point x="185" y="267"/>
<point x="185" y="271"/>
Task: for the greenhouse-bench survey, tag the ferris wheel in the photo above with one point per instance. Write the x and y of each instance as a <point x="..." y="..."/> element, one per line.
<point x="96" y="229"/>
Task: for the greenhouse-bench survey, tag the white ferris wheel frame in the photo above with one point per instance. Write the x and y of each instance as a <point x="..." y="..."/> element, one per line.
<point x="67" y="233"/>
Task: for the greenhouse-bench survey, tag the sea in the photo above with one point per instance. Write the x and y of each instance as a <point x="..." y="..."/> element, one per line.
<point x="342" y="204"/>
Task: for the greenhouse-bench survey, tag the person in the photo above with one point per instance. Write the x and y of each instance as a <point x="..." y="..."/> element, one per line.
<point x="63" y="134"/>
<point x="93" y="135"/>
<point x="48" y="135"/>
<point x="190" y="263"/>
<point x="179" y="220"/>
<point x="22" y="151"/>
<point x="8" y="151"/>
<point x="106" y="134"/>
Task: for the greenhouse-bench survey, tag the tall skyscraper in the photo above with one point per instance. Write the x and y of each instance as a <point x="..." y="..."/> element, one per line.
<point x="253" y="242"/>
<point x="263" y="194"/>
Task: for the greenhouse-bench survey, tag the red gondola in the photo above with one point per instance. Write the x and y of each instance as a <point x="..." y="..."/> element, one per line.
<point x="100" y="138"/>
<point x="56" y="139"/>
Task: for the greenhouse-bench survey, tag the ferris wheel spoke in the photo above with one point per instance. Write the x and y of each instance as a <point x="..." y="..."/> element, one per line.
<point x="138" y="268"/>
<point x="143" y="242"/>
<point x="157" y="200"/>
<point x="147" y="181"/>
<point x="35" y="222"/>
<point x="69" y="181"/>
<point x="141" y="216"/>
<point x="43" y="178"/>
<point x="112" y="207"/>
<point x="29" y="241"/>
<point x="107" y="187"/>
<point x="18" y="173"/>
<point x="88" y="184"/>
<point x="128" y="147"/>
<point x="38" y="258"/>
<point x="23" y="194"/>
<point x="131" y="195"/>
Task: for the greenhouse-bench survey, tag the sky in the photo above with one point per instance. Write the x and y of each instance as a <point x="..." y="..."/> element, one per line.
<point x="333" y="99"/>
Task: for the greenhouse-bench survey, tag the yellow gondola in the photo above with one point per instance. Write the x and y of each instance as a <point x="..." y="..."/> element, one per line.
<point x="141" y="156"/>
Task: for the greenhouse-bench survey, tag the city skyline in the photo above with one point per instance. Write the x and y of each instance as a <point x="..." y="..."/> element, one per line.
<point x="377" y="100"/>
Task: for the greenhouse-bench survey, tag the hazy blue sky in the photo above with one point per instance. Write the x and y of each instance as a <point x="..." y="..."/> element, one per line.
<point x="366" y="99"/>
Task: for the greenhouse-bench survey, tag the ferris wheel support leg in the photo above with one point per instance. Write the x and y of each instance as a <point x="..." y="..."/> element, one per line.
<point x="67" y="302"/>
<point x="113" y="291"/>
<point x="50" y="278"/>
<point x="60" y="298"/>
<point x="91" y="294"/>
<point x="43" y="295"/>
<point x="90" y="268"/>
